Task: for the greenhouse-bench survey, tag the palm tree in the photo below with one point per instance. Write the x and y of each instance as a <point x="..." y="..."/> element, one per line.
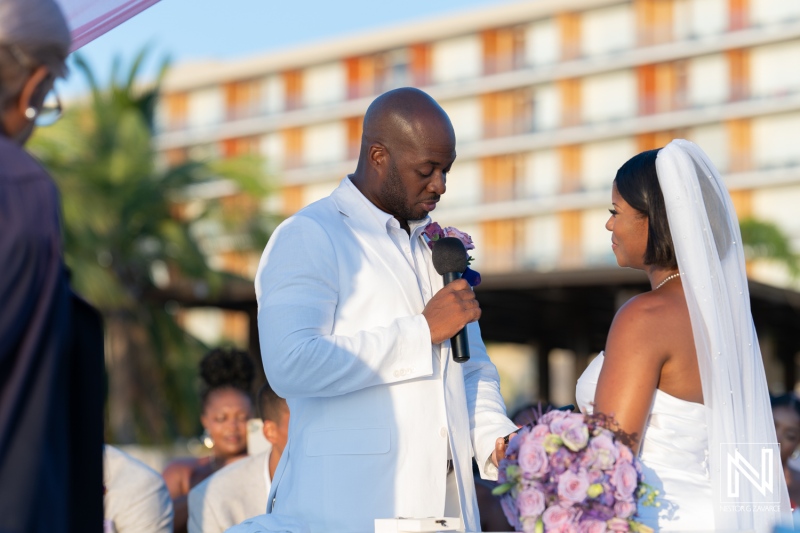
<point x="765" y="240"/>
<point x="129" y="243"/>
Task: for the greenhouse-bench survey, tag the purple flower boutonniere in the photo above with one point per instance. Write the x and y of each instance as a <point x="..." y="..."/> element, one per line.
<point x="433" y="232"/>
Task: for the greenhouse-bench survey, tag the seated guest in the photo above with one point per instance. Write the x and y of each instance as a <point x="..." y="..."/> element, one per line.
<point x="239" y="491"/>
<point x="786" y="413"/>
<point x="136" y="500"/>
<point x="227" y="375"/>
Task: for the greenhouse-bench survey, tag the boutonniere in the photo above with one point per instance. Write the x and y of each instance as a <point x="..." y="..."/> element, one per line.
<point x="433" y="232"/>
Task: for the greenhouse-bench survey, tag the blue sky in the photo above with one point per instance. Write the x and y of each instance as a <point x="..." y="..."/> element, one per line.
<point x="229" y="29"/>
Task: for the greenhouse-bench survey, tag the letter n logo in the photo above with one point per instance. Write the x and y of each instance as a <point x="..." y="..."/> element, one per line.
<point x="737" y="465"/>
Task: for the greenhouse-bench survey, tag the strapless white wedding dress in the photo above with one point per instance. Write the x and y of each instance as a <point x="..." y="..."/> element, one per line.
<point x="674" y="454"/>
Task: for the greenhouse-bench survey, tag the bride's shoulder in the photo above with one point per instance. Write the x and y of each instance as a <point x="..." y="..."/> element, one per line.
<point x="641" y="315"/>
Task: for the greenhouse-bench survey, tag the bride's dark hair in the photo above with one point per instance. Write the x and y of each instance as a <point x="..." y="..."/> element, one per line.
<point x="637" y="183"/>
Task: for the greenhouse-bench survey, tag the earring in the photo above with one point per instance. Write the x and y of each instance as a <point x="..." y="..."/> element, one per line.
<point x="206" y="439"/>
<point x="31" y="113"/>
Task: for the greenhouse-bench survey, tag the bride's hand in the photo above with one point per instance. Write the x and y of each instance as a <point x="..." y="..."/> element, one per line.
<point x="500" y="448"/>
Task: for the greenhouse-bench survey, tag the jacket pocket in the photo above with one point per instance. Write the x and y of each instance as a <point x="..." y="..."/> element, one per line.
<point x="356" y="441"/>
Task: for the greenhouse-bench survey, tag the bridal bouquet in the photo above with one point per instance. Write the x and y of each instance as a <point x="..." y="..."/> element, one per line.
<point x="570" y="473"/>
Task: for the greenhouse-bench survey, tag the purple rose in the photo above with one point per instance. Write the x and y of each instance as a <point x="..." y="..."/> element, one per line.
<point x="604" y="450"/>
<point x="530" y="503"/>
<point x="624" y="509"/>
<point x="533" y="460"/>
<point x="625" y="479"/>
<point x="509" y="507"/>
<point x="557" y="518"/>
<point x="450" y="231"/>
<point x="591" y="526"/>
<point x="434" y="232"/>
<point x="572" y="487"/>
<point x="551" y="416"/>
<point x="539" y="431"/>
<point x="623" y="452"/>
<point x="618" y="524"/>
<point x="576" y="437"/>
<point x="569" y="420"/>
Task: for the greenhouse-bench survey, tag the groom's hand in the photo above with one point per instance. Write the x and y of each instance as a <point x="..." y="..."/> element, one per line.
<point x="450" y="310"/>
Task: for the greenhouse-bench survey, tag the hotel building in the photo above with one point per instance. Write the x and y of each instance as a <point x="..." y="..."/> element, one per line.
<point x="548" y="98"/>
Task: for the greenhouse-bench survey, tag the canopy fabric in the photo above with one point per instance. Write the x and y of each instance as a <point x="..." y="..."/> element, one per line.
<point x="89" y="19"/>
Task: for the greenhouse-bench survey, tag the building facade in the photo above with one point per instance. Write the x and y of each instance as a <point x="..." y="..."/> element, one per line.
<point x="548" y="98"/>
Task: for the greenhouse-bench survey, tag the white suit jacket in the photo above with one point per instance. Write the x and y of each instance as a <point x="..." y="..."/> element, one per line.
<point x="373" y="406"/>
<point x="136" y="498"/>
<point x="230" y="496"/>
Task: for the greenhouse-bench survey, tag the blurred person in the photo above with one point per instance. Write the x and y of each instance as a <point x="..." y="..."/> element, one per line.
<point x="227" y="376"/>
<point x="51" y="341"/>
<point x="136" y="499"/>
<point x="355" y="326"/>
<point x="239" y="491"/>
<point x="786" y="412"/>
<point x="682" y="372"/>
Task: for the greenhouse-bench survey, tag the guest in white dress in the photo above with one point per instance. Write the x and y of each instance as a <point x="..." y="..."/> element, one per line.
<point x="682" y="372"/>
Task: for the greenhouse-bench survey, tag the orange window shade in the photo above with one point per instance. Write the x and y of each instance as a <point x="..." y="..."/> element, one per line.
<point x="293" y="144"/>
<point x="570" y="237"/>
<point x="739" y="14"/>
<point x="238" y="262"/>
<point x="646" y="84"/>
<point x="420" y="64"/>
<point x="681" y="74"/>
<point x="739" y="72"/>
<point x="658" y="139"/>
<point x="665" y="85"/>
<point x="242" y="98"/>
<point x="293" y="82"/>
<point x="570" y="157"/>
<point x="292" y="199"/>
<point x="740" y="144"/>
<point x="500" y="177"/>
<point x="503" y="49"/>
<point x="239" y="146"/>
<point x="662" y="24"/>
<point x="354" y="131"/>
<point x="742" y="202"/>
<point x="569" y="25"/>
<point x="176" y="156"/>
<point x="504" y="113"/>
<point x="489" y="39"/>
<point x="500" y="238"/>
<point x="570" y="90"/>
<point x="177" y="105"/>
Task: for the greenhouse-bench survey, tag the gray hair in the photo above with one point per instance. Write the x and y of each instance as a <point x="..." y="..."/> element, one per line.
<point x="33" y="33"/>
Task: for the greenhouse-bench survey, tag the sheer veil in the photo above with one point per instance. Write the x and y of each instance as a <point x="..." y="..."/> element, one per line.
<point x="705" y="232"/>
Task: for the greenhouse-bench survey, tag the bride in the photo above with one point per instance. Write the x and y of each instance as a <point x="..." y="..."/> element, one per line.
<point x="682" y="371"/>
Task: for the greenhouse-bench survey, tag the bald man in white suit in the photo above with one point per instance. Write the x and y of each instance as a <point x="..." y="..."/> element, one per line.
<point x="355" y="326"/>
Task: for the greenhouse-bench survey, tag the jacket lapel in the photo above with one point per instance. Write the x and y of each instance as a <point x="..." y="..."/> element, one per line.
<point x="375" y="238"/>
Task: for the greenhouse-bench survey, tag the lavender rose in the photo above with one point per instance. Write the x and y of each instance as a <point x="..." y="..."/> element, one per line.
<point x="605" y="452"/>
<point x="450" y="231"/>
<point x="618" y="524"/>
<point x="624" y="509"/>
<point x="530" y="503"/>
<point x="572" y="487"/>
<point x="625" y="479"/>
<point x="557" y="518"/>
<point x="592" y="526"/>
<point x="539" y="431"/>
<point x="576" y="437"/>
<point x="533" y="460"/>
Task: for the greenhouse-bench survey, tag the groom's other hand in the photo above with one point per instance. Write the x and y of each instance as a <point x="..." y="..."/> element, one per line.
<point x="450" y="310"/>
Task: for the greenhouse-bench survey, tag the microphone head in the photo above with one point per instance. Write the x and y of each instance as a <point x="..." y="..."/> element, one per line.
<point x="449" y="255"/>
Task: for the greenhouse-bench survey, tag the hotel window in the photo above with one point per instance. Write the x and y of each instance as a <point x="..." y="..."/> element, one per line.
<point x="240" y="146"/>
<point x="324" y="84"/>
<point x="456" y="59"/>
<point x="420" y="64"/>
<point x="242" y="99"/>
<point x="507" y="113"/>
<point x="608" y="30"/>
<point x="569" y="26"/>
<point x="739" y="14"/>
<point x="176" y="106"/>
<point x="653" y="21"/>
<point x="503" y="177"/>
<point x="739" y="73"/>
<point x="293" y="83"/>
<point x="500" y="242"/>
<point x="503" y="49"/>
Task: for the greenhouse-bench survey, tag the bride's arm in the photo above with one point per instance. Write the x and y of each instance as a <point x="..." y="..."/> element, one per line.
<point x="634" y="355"/>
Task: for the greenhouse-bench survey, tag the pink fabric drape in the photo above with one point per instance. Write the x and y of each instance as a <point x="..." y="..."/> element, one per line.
<point x="89" y="19"/>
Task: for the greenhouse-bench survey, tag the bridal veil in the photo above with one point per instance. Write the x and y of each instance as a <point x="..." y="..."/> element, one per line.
<point x="708" y="247"/>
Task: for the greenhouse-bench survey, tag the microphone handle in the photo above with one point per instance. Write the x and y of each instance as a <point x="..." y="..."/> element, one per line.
<point x="459" y="344"/>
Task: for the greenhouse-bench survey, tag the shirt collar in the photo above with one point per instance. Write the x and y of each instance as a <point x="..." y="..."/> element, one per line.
<point x="385" y="219"/>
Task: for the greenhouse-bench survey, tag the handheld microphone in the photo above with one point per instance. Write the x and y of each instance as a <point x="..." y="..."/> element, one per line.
<point x="450" y="261"/>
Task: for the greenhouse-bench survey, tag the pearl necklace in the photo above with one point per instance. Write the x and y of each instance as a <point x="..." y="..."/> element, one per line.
<point x="673" y="276"/>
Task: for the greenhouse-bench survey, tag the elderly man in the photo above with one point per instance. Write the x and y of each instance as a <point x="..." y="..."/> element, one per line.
<point x="355" y="327"/>
<point x="51" y="341"/>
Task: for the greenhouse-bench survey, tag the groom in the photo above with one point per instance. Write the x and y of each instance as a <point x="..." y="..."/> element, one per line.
<point x="354" y="325"/>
